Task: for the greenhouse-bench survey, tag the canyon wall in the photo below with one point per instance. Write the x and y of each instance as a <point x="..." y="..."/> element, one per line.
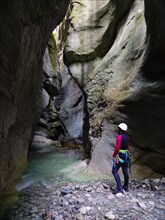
<point x="25" y="28"/>
<point x="114" y="50"/>
<point x="111" y="67"/>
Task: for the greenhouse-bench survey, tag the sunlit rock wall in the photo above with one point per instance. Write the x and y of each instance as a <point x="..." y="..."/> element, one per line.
<point x="115" y="52"/>
<point x="25" y="27"/>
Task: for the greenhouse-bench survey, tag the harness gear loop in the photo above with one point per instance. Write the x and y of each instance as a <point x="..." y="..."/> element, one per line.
<point x="127" y="159"/>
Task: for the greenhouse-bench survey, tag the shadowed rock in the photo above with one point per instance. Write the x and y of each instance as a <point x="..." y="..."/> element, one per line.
<point x="25" y="27"/>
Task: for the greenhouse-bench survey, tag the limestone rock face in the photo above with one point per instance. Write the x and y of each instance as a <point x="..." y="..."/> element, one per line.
<point x="115" y="52"/>
<point x="25" y="28"/>
<point x="70" y="103"/>
<point x="112" y="70"/>
<point x="48" y="127"/>
<point x="89" y="40"/>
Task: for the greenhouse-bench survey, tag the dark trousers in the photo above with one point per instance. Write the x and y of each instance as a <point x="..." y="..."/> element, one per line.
<point x="116" y="167"/>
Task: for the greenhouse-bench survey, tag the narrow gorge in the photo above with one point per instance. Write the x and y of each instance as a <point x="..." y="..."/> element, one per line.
<point x="71" y="71"/>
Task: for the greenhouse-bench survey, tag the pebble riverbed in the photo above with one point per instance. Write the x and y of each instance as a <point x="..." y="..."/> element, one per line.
<point x="91" y="201"/>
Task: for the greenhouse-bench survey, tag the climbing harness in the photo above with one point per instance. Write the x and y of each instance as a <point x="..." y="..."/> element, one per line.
<point x="127" y="159"/>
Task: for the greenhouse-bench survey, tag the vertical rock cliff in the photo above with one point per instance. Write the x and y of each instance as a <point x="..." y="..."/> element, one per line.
<point x="111" y="66"/>
<point x="25" y="28"/>
<point x="114" y="50"/>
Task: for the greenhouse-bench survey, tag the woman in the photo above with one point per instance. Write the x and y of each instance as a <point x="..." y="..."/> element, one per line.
<point x="121" y="158"/>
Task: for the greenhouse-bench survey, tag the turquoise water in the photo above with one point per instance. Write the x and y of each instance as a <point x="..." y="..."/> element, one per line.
<point x="46" y="169"/>
<point x="49" y="169"/>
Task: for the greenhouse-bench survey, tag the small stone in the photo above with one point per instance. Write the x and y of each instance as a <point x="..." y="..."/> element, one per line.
<point x="105" y="186"/>
<point x="156" y="181"/>
<point x="77" y="206"/>
<point x="88" y="189"/>
<point x="88" y="208"/>
<point x="163" y="180"/>
<point x="110" y="215"/>
<point x="142" y="205"/>
<point x="67" y="196"/>
<point x="152" y="205"/>
<point x="79" y="216"/>
<point x="160" y="207"/>
<point x="111" y="196"/>
<point x="88" y="195"/>
<point x="136" y="208"/>
<point x="119" y="195"/>
<point x="33" y="215"/>
<point x="65" y="203"/>
<point x="146" y="181"/>
<point x="73" y="209"/>
<point x="134" y="200"/>
<point x="80" y="200"/>
<point x="65" y="191"/>
<point x="156" y="187"/>
<point x="83" y="210"/>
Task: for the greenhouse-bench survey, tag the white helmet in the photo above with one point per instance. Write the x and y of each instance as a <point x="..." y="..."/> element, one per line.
<point x="123" y="126"/>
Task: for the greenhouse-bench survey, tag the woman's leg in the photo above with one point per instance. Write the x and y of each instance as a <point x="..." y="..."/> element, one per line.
<point x="126" y="176"/>
<point x="116" y="167"/>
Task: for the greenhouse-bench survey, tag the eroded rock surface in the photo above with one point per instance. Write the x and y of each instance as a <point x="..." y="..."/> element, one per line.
<point x="112" y="70"/>
<point x="116" y="54"/>
<point x="25" y="28"/>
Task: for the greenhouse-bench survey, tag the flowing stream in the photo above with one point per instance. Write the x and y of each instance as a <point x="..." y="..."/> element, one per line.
<point x="46" y="169"/>
<point x="49" y="169"/>
<point x="52" y="168"/>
